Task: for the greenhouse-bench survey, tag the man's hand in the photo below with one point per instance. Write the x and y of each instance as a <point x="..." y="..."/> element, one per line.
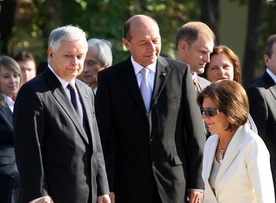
<point x="103" y="199"/>
<point x="45" y="199"/>
<point x="195" y="196"/>
<point x="112" y="197"/>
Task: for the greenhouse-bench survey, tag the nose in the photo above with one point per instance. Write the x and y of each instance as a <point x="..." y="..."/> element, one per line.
<point x="151" y="46"/>
<point x="206" y="57"/>
<point x="221" y="70"/>
<point x="203" y="116"/>
<point x="75" y="60"/>
<point x="85" y="67"/>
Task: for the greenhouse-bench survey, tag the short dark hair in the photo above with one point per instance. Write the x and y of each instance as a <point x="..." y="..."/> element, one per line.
<point x="231" y="99"/>
<point x="24" y="56"/>
<point x="269" y="44"/>
<point x="190" y="31"/>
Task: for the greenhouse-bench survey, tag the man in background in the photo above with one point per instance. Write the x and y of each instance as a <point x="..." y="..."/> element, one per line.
<point x="262" y="100"/>
<point x="27" y="64"/>
<point x="194" y="43"/>
<point x="98" y="57"/>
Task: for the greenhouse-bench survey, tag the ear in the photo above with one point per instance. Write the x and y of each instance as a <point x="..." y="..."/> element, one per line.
<point x="182" y="46"/>
<point x="126" y="43"/>
<point x="50" y="52"/>
<point x="266" y="60"/>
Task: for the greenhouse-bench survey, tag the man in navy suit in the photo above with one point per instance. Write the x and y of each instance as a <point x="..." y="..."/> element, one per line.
<point x="58" y="150"/>
<point x="158" y="146"/>
<point x="262" y="100"/>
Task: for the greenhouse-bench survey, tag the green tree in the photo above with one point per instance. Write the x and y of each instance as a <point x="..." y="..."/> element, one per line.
<point x="99" y="18"/>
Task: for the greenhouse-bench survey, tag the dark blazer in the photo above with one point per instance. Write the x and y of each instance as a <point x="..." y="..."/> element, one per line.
<point x="54" y="154"/>
<point x="163" y="149"/>
<point x="8" y="169"/>
<point x="262" y="100"/>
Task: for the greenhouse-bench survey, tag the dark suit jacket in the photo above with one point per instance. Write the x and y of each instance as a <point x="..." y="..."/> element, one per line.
<point x="262" y="99"/>
<point x="163" y="149"/>
<point x="9" y="177"/>
<point x="54" y="154"/>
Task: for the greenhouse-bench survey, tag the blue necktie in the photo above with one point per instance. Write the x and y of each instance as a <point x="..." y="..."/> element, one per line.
<point x="145" y="88"/>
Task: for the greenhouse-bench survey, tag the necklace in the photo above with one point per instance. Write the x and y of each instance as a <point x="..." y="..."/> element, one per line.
<point x="222" y="152"/>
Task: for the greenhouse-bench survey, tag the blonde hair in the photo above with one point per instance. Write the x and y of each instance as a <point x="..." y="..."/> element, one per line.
<point x="9" y="64"/>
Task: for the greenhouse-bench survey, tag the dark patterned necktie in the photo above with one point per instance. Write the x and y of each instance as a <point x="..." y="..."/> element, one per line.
<point x="75" y="101"/>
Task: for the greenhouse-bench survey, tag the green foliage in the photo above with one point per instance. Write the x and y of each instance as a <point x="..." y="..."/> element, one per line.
<point x="99" y="18"/>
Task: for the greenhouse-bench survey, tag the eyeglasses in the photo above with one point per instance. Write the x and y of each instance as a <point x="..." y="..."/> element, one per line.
<point x="209" y="111"/>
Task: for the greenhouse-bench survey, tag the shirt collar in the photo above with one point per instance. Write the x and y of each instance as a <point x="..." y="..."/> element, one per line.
<point x="9" y="101"/>
<point x="137" y="67"/>
<point x="194" y="76"/>
<point x="271" y="75"/>
<point x="63" y="82"/>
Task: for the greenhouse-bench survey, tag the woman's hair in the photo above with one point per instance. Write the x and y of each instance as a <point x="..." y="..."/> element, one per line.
<point x="231" y="99"/>
<point x="221" y="49"/>
<point x="11" y="65"/>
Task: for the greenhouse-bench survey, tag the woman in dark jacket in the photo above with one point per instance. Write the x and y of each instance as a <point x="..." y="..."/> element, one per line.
<point x="10" y="82"/>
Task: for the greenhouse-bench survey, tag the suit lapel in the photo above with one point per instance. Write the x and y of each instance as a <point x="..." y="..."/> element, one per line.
<point x="211" y="155"/>
<point x="7" y="113"/>
<point x="130" y="80"/>
<point x="62" y="99"/>
<point x="232" y="151"/>
<point x="86" y="106"/>
<point x="272" y="89"/>
<point x="162" y="72"/>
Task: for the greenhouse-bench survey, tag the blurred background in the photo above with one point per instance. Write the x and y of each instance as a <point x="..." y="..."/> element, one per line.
<point x="243" y="25"/>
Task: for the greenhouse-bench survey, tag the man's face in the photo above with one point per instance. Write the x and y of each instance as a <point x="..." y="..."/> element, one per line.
<point x="67" y="61"/>
<point x="196" y="54"/>
<point x="92" y="66"/>
<point x="145" y="42"/>
<point x="271" y="62"/>
<point x="28" y="70"/>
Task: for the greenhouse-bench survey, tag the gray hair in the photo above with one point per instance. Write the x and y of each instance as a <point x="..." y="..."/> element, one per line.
<point x="67" y="32"/>
<point x="104" y="50"/>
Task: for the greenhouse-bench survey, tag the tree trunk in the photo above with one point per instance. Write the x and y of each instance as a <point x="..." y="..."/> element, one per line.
<point x="252" y="41"/>
<point x="210" y="15"/>
<point x="7" y="11"/>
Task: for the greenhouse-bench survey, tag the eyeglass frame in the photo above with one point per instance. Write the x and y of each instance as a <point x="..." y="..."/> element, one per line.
<point x="209" y="112"/>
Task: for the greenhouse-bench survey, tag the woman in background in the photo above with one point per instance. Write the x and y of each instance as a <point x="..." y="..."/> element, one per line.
<point x="225" y="65"/>
<point x="236" y="162"/>
<point x="10" y="82"/>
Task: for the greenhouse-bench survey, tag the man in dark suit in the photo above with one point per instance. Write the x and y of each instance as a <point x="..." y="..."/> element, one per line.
<point x="194" y="43"/>
<point x="58" y="148"/>
<point x="158" y="145"/>
<point x="262" y="100"/>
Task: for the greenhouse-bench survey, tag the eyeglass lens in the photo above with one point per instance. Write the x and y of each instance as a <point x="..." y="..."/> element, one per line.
<point x="209" y="111"/>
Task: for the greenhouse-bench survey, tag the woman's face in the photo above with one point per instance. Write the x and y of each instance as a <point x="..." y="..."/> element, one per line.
<point x="217" y="123"/>
<point x="9" y="82"/>
<point x="220" y="68"/>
